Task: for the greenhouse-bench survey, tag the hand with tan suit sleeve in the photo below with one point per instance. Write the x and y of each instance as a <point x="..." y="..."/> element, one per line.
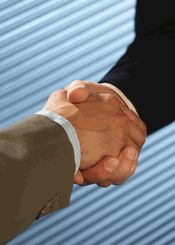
<point x="37" y="159"/>
<point x="36" y="173"/>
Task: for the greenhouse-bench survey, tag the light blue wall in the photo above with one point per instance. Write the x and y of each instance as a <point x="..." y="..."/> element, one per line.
<point x="44" y="45"/>
<point x="47" y="44"/>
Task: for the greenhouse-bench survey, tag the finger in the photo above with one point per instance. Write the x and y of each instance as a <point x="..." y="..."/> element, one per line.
<point x="59" y="95"/>
<point x="101" y="172"/>
<point x="77" y="95"/>
<point x="134" y="118"/>
<point x="104" y="184"/>
<point x="78" y="90"/>
<point x="133" y="168"/>
<point x="128" y="161"/>
<point x="78" y="178"/>
<point x="136" y="134"/>
<point x="75" y="83"/>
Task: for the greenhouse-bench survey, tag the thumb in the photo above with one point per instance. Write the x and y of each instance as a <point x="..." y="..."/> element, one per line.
<point x="77" y="92"/>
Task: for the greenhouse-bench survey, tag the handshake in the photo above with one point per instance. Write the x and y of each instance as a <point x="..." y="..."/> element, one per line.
<point x="110" y="134"/>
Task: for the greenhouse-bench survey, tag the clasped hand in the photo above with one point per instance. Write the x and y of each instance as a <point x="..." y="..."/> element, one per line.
<point x="111" y="135"/>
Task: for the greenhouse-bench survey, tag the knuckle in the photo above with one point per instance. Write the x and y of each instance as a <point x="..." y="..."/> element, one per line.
<point x="124" y="120"/>
<point x="121" y="137"/>
<point x="117" y="137"/>
<point x="143" y="138"/>
<point x="132" y="170"/>
<point x="55" y="93"/>
<point x="131" y="173"/>
<point x="110" y="98"/>
<point x="140" y="141"/>
<point x="121" y="122"/>
<point x="107" y="173"/>
<point x="144" y="128"/>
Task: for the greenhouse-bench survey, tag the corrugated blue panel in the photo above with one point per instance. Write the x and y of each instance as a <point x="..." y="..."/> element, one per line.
<point x="45" y="45"/>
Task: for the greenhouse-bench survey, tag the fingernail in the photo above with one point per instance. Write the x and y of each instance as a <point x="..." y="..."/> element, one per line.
<point x="77" y="86"/>
<point x="131" y="153"/>
<point x="76" y="83"/>
<point x="111" y="164"/>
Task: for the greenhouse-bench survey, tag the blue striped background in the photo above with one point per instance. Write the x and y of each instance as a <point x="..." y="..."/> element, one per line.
<point x="46" y="44"/>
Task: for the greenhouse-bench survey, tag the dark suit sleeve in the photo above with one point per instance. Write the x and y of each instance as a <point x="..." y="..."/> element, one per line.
<point x="146" y="72"/>
<point x="36" y="173"/>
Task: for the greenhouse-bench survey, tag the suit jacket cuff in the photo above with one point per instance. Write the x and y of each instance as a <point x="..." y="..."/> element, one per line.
<point x="121" y="94"/>
<point x="71" y="133"/>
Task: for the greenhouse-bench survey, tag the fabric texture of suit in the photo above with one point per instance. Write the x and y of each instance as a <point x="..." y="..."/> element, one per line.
<point x="145" y="73"/>
<point x="36" y="173"/>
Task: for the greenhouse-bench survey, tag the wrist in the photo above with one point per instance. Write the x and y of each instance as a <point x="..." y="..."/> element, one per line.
<point x="71" y="133"/>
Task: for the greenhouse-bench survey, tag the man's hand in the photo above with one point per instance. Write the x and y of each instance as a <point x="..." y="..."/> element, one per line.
<point x="131" y="132"/>
<point x="94" y="123"/>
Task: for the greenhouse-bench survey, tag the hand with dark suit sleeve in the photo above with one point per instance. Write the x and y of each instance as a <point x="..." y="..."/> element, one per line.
<point x="144" y="75"/>
<point x="132" y="128"/>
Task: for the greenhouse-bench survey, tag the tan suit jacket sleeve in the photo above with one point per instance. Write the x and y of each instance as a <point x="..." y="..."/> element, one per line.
<point x="36" y="173"/>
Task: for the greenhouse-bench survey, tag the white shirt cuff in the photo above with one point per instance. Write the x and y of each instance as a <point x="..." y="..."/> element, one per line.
<point x="71" y="132"/>
<point x="121" y="94"/>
